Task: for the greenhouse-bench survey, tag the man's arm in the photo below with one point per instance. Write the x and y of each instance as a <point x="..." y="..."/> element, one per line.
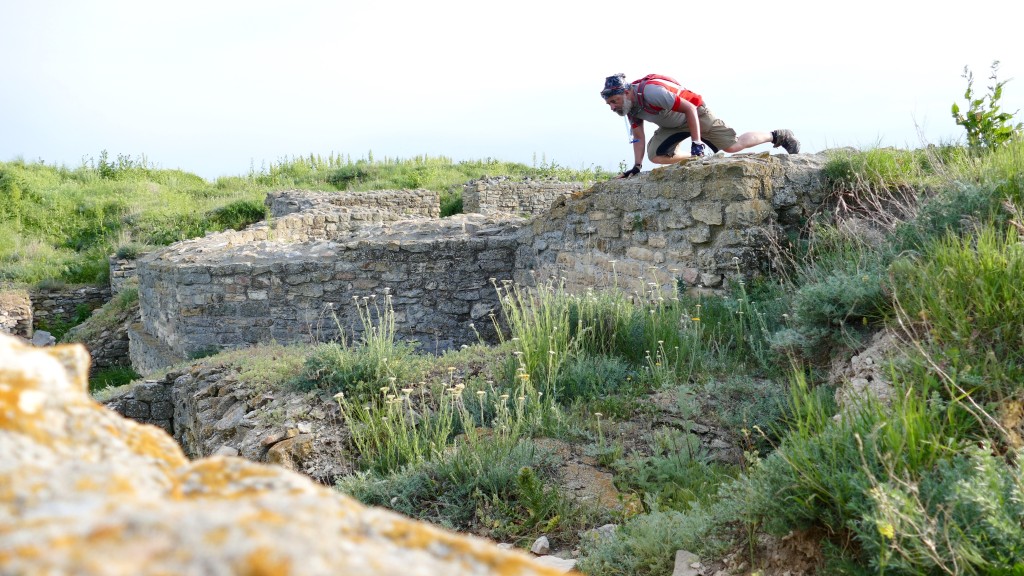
<point x="692" y="119"/>
<point x="638" y="149"/>
<point x="639" y="143"/>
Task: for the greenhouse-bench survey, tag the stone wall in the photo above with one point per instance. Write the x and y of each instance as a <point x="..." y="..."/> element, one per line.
<point x="149" y="402"/>
<point x="122" y="271"/>
<point x="16" y="313"/>
<point x="404" y="203"/>
<point x="299" y="277"/>
<point x="210" y="410"/>
<point x="105" y="333"/>
<point x="698" y="222"/>
<point x="62" y="305"/>
<point x="239" y="288"/>
<point x="522" y="197"/>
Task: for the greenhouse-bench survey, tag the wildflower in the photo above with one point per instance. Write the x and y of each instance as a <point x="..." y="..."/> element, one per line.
<point x="887" y="530"/>
<point x="503" y="397"/>
<point x="339" y="396"/>
<point x="598" y="414"/>
<point x="480" y="393"/>
<point x="406" y="390"/>
<point x="695" y="318"/>
<point x="383" y="389"/>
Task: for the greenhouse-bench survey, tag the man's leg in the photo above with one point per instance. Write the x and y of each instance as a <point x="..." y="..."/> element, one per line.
<point x="781" y="137"/>
<point x="749" y="140"/>
<point x="664" y="146"/>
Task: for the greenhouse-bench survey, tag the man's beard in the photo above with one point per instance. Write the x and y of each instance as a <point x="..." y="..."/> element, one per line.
<point x="627" y="107"/>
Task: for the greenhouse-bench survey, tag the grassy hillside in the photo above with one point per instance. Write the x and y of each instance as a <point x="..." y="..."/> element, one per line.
<point x="61" y="223"/>
<point x="925" y="244"/>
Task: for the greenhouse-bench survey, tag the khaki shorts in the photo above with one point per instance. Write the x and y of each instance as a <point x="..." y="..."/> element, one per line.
<point x="713" y="132"/>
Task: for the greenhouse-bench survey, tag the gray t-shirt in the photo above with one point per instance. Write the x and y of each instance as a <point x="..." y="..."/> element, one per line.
<point x="657" y="95"/>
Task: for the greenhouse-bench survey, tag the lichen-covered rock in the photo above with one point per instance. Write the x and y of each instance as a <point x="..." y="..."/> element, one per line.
<point x="867" y="373"/>
<point x="85" y="491"/>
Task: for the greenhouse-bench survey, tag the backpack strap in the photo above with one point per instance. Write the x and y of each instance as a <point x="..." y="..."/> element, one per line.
<point x="670" y="84"/>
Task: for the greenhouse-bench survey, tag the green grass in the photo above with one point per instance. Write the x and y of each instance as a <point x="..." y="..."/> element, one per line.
<point x="926" y="243"/>
<point x="60" y="222"/>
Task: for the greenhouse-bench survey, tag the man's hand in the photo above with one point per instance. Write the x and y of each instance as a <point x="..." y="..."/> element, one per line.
<point x="697" y="149"/>
<point x="631" y="172"/>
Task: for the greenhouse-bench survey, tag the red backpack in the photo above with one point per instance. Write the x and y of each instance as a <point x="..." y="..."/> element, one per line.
<point x="680" y="93"/>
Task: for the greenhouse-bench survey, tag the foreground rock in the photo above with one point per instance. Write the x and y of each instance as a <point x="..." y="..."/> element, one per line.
<point x="85" y="491"/>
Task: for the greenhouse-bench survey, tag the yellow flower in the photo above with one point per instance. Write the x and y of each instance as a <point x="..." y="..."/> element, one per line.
<point x="695" y="318"/>
<point x="887" y="530"/>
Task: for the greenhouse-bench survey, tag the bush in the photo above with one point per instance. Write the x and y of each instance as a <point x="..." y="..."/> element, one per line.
<point x="837" y="310"/>
<point x="964" y="299"/>
<point x="964" y="514"/>
<point x="111" y="377"/>
<point x="987" y="127"/>
<point x="359" y="371"/>
<point x="501" y="485"/>
<point x="238" y="214"/>
<point x="589" y="377"/>
<point x="825" y="469"/>
<point x="646" y="545"/>
<point x="754" y="408"/>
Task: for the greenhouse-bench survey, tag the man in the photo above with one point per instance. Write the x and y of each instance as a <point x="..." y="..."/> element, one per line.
<point x="679" y="114"/>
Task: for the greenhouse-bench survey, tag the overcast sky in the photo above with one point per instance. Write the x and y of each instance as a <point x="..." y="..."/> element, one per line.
<point x="215" y="87"/>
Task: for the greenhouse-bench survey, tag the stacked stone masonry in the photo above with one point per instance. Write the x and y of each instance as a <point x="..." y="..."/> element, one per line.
<point x="696" y="224"/>
<point x="122" y="272"/>
<point x="507" y="196"/>
<point x="66" y="304"/>
<point x="404" y="203"/>
<point x="300" y="277"/>
<point x="149" y="402"/>
<point x="16" y="313"/>
<point x="306" y="284"/>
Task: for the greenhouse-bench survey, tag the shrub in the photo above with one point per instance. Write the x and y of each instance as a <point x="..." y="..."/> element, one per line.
<point x="498" y="483"/>
<point x="962" y="517"/>
<point x="749" y="407"/>
<point x="646" y="545"/>
<point x="589" y="377"/>
<point x="111" y="377"/>
<point x="836" y="310"/>
<point x="375" y="361"/>
<point x="986" y="125"/>
<point x="825" y="469"/>
<point x="964" y="299"/>
<point x="238" y="214"/>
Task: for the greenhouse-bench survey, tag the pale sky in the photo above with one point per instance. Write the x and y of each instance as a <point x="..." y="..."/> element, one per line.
<point x="215" y="87"/>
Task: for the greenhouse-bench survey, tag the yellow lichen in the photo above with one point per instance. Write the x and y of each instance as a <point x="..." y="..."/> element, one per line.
<point x="264" y="562"/>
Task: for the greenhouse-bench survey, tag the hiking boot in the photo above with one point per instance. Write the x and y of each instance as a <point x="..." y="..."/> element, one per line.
<point x="787" y="140"/>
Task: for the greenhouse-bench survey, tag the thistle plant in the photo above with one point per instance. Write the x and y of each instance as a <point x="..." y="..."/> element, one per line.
<point x="389" y="433"/>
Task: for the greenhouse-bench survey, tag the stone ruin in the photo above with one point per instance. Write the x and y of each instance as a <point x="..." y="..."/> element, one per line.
<point x="300" y="275"/>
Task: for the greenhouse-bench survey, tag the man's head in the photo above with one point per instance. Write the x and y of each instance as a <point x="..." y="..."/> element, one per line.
<point x="617" y="94"/>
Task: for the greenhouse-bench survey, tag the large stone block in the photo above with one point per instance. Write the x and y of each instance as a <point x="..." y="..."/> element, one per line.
<point x="90" y="492"/>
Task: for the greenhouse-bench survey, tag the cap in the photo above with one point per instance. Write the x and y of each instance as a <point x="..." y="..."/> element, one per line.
<point x="614" y="85"/>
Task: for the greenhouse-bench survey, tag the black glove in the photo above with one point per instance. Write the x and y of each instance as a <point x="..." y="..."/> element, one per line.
<point x="697" y="149"/>
<point x="631" y="172"/>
